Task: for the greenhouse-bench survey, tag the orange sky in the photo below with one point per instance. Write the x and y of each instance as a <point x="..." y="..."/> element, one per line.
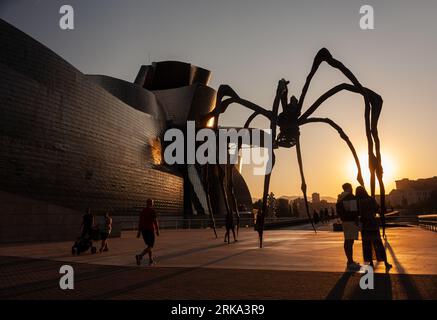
<point x="406" y="137"/>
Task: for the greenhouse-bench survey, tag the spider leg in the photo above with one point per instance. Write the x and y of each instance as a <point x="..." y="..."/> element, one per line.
<point x="373" y="113"/>
<point x="303" y="185"/>
<point x="325" y="55"/>
<point x="230" y="184"/>
<point x="246" y="125"/>
<point x="222" y="177"/>
<point x="261" y="215"/>
<point x="250" y="119"/>
<point x="206" y="178"/>
<point x="376" y="102"/>
<point x="344" y="136"/>
<point x="327" y="95"/>
<point x="222" y="104"/>
<point x="273" y="121"/>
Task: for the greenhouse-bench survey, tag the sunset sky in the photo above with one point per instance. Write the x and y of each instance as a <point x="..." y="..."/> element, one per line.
<point x="250" y="45"/>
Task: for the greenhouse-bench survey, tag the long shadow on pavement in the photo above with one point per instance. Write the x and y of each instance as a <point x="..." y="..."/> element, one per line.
<point x="177" y="273"/>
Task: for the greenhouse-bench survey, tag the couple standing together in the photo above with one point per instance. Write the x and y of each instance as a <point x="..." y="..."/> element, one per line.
<point x="359" y="212"/>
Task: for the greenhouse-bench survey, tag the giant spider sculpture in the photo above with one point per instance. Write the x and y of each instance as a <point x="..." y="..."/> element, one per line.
<point x="289" y="122"/>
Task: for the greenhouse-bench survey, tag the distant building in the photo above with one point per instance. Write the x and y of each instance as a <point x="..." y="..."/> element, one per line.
<point x="411" y="191"/>
<point x="315" y="197"/>
<point x="299" y="205"/>
<point x="319" y="204"/>
<point x="283" y="208"/>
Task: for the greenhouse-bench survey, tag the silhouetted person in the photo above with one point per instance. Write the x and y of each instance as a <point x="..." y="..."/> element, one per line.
<point x="230" y="227"/>
<point x="316" y="217"/>
<point x="348" y="212"/>
<point x="105" y="231"/>
<point x="87" y="223"/>
<point x="147" y="226"/>
<point x="322" y="216"/>
<point x="371" y="238"/>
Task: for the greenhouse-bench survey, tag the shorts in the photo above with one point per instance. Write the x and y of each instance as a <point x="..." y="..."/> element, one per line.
<point x="148" y="237"/>
<point x="350" y="230"/>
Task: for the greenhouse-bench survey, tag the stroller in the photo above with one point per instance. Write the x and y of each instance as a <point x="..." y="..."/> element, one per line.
<point x="85" y="242"/>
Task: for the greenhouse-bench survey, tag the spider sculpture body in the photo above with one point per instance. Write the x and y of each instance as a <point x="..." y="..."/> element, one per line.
<point x="291" y="118"/>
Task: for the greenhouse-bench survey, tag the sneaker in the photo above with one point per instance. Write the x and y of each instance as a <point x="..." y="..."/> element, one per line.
<point x="138" y="259"/>
<point x="388" y="266"/>
<point x="353" y="266"/>
<point x="152" y="262"/>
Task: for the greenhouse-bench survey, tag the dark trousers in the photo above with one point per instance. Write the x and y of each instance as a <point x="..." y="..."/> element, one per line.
<point x="371" y="240"/>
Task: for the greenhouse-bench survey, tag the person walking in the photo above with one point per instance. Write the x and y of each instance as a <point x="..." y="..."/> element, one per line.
<point x="105" y="231"/>
<point x="326" y="214"/>
<point x="371" y="237"/>
<point x="316" y="218"/>
<point x="147" y="227"/>
<point x="348" y="212"/>
<point x="230" y="226"/>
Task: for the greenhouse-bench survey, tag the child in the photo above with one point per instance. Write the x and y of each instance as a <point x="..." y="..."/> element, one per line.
<point x="105" y="232"/>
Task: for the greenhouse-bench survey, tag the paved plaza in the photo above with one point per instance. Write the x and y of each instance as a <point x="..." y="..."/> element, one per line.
<point x="295" y="263"/>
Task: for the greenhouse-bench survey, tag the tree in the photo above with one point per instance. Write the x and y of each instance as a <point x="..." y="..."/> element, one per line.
<point x="271" y="205"/>
<point x="295" y="209"/>
<point x="258" y="204"/>
<point x="283" y="208"/>
<point x="426" y="206"/>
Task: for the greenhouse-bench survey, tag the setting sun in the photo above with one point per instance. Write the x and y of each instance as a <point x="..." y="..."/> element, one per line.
<point x="389" y="167"/>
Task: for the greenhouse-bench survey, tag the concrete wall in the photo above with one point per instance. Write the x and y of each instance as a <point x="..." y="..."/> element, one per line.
<point x="23" y="219"/>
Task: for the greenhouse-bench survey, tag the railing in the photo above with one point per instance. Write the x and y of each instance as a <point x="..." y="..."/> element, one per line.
<point x="397" y="218"/>
<point x="402" y="219"/>
<point x="428" y="222"/>
<point x="131" y="222"/>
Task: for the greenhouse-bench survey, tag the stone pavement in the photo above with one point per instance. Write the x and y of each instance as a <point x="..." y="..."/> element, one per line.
<point x="192" y="264"/>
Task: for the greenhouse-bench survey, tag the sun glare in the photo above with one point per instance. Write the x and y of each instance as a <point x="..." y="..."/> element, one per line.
<point x="210" y="122"/>
<point x="389" y="167"/>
